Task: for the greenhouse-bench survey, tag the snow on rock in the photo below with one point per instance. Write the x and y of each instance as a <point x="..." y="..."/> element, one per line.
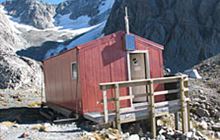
<point x="64" y="22"/>
<point x="93" y="34"/>
<point x="192" y="73"/>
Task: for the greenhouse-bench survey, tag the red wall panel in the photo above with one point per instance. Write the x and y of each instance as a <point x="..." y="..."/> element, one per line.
<point x="59" y="86"/>
<point x="104" y="60"/>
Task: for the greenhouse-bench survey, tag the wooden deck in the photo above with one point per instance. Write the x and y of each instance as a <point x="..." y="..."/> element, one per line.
<point x="140" y="111"/>
<point x="145" y="110"/>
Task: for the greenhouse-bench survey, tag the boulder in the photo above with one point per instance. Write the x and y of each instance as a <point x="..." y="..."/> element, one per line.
<point x="216" y="127"/>
<point x="203" y="125"/>
<point x="19" y="72"/>
<point x="201" y="112"/>
<point x="217" y="135"/>
<point x="192" y="73"/>
<point x="134" y="137"/>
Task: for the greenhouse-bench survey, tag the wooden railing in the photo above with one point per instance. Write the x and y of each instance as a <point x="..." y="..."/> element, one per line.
<point x="149" y="83"/>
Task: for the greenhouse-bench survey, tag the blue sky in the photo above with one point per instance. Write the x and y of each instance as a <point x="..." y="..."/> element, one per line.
<point x="49" y="1"/>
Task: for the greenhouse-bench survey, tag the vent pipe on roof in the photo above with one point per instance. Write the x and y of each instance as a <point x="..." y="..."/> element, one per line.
<point x="126" y="21"/>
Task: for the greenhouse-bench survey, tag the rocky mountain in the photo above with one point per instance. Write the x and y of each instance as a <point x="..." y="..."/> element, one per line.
<point x="189" y="30"/>
<point x="31" y="30"/>
<point x="97" y="10"/>
<point x="15" y="71"/>
<point x="31" y="12"/>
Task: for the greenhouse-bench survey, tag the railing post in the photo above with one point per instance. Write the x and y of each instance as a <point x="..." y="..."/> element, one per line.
<point x="188" y="106"/>
<point x="152" y="109"/>
<point x="117" y="106"/>
<point x="183" y="106"/>
<point x="105" y="102"/>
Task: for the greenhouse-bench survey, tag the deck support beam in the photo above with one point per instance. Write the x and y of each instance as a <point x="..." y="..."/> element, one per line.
<point x="117" y="106"/>
<point x="105" y="102"/>
<point x="186" y="84"/>
<point x="152" y="109"/>
<point x="183" y="107"/>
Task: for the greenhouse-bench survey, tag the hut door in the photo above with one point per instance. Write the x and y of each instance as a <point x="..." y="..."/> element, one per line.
<point x="138" y="70"/>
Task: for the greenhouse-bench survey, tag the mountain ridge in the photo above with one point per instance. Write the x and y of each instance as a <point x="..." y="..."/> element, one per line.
<point x="189" y="29"/>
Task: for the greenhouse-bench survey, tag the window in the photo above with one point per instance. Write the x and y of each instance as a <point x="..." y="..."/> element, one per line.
<point x="74" y="71"/>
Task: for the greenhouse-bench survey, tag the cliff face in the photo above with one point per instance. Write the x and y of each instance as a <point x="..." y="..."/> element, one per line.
<point x="189" y="30"/>
<point x="15" y="71"/>
<point x="31" y="29"/>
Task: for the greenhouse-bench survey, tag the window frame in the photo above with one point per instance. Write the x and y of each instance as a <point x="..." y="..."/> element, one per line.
<point x="74" y="77"/>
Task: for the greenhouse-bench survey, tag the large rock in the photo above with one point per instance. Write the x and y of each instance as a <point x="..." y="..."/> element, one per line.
<point x="201" y="112"/>
<point x="19" y="72"/>
<point x="15" y="71"/>
<point x="9" y="36"/>
<point x="216" y="127"/>
<point x="188" y="29"/>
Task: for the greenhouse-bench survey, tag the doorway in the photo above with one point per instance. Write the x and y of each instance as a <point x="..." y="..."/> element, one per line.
<point x="138" y="68"/>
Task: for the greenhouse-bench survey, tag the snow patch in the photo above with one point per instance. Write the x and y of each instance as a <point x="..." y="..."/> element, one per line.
<point x="93" y="34"/>
<point x="192" y="73"/>
<point x="64" y="22"/>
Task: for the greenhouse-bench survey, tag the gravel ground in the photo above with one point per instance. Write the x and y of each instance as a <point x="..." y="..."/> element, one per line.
<point x="40" y="131"/>
<point x="20" y="119"/>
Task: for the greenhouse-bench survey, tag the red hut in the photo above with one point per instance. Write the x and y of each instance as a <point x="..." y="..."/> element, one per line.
<point x="72" y="78"/>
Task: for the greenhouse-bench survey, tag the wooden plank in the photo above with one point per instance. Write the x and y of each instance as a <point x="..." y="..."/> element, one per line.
<point x="187" y="100"/>
<point x="104" y="93"/>
<point x="126" y="97"/>
<point x="117" y="105"/>
<point x="144" y="104"/>
<point x="166" y="92"/>
<point x="127" y="109"/>
<point x="141" y="95"/>
<point x="152" y="110"/>
<point x="168" y="103"/>
<point x="140" y="114"/>
<point x="65" y="112"/>
<point x="183" y="107"/>
<point x="140" y="82"/>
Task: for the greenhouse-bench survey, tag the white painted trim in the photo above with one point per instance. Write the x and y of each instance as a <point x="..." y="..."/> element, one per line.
<point x="138" y="51"/>
<point x="147" y="65"/>
<point x="72" y="70"/>
<point x="129" y="77"/>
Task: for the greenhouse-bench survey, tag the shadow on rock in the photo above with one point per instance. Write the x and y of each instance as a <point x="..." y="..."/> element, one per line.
<point x="22" y="115"/>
